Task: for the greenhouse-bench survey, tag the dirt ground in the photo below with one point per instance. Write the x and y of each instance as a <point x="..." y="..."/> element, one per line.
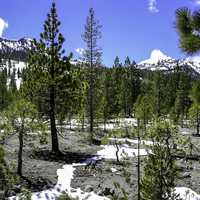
<point x="39" y="167"/>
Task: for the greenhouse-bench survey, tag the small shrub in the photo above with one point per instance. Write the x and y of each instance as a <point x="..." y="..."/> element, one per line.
<point x="7" y="178"/>
<point x="65" y="197"/>
<point x="25" y="194"/>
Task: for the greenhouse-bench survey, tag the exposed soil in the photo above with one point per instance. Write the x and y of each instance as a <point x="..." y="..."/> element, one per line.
<point x="40" y="166"/>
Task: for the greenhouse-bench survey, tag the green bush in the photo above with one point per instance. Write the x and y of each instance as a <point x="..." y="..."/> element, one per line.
<point x="160" y="170"/>
<point x="65" y="197"/>
<point x="25" y="194"/>
<point x="7" y="178"/>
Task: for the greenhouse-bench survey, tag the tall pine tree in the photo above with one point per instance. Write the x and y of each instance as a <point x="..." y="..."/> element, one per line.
<point x="92" y="56"/>
<point x="48" y="72"/>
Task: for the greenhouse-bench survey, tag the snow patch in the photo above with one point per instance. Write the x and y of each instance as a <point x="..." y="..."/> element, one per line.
<point x="109" y="152"/>
<point x="127" y="140"/>
<point x="194" y="62"/>
<point x="113" y="170"/>
<point x="187" y="193"/>
<point x="65" y="176"/>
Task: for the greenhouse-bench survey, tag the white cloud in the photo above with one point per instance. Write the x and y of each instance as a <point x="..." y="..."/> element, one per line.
<point x="3" y="26"/>
<point x="153" y="6"/>
<point x="80" y="51"/>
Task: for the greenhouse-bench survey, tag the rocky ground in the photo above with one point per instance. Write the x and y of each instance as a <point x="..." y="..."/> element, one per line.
<point x="39" y="166"/>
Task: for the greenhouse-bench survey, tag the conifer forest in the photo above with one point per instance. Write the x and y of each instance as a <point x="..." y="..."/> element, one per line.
<point x="92" y="126"/>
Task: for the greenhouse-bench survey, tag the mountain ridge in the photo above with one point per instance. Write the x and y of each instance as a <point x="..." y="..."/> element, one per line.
<point x="159" y="61"/>
<point x="15" y="49"/>
<point x="19" y="49"/>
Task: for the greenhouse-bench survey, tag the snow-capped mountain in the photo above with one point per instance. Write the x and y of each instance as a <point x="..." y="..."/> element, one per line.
<point x="155" y="57"/>
<point x="160" y="61"/>
<point x="15" y="49"/>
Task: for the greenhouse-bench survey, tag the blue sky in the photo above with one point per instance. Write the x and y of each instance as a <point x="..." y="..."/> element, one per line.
<point x="130" y="27"/>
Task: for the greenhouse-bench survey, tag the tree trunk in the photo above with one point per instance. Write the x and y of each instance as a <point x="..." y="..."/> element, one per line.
<point x="198" y="126"/>
<point x="54" y="136"/>
<point x="138" y="164"/>
<point x="19" y="167"/>
<point x="117" y="152"/>
<point x="198" y="121"/>
<point x="70" y="122"/>
<point x="104" y="121"/>
<point x="83" y="122"/>
<point x="182" y="124"/>
<point x="91" y="110"/>
<point x="161" y="182"/>
<point x="61" y="125"/>
<point x="158" y="99"/>
<point x="91" y="80"/>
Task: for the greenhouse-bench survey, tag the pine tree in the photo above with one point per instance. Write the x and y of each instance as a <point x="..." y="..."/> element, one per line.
<point x="144" y="109"/>
<point x="4" y="93"/>
<point x="160" y="171"/>
<point x="171" y="88"/>
<point x="125" y="94"/>
<point x="182" y="101"/>
<point x="82" y="110"/>
<point x="107" y="101"/>
<point x="133" y="86"/>
<point x="188" y="25"/>
<point x="127" y="62"/>
<point x="118" y="90"/>
<point x="48" y="79"/>
<point x="116" y="85"/>
<point x="20" y="118"/>
<point x="116" y="62"/>
<point x="109" y="106"/>
<point x="138" y="161"/>
<point x="158" y="94"/>
<point x="195" y="108"/>
<point x="92" y="56"/>
<point x="9" y="67"/>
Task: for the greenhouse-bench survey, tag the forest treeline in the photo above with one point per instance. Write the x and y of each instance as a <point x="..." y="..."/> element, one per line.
<point x="123" y="90"/>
